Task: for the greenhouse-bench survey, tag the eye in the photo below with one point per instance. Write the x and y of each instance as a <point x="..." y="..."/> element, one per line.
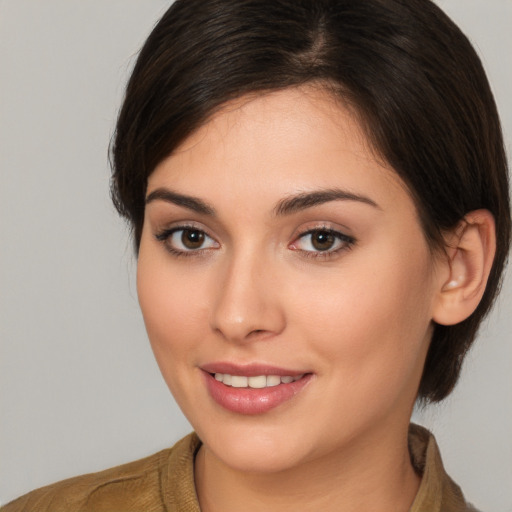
<point x="325" y="241"/>
<point x="183" y="240"/>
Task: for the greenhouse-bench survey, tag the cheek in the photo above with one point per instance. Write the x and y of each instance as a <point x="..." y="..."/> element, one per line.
<point x="174" y="311"/>
<point x="371" y="322"/>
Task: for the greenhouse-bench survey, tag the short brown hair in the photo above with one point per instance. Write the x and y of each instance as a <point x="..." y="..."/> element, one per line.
<point x="414" y="80"/>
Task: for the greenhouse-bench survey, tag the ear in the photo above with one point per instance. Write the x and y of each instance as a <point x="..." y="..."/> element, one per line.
<point x="464" y="273"/>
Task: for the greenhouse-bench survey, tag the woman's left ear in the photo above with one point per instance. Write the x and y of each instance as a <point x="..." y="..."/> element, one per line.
<point x="463" y="275"/>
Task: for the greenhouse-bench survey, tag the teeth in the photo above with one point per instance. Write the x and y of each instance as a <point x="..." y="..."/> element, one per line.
<point x="257" y="382"/>
<point x="273" y="380"/>
<point x="238" y="381"/>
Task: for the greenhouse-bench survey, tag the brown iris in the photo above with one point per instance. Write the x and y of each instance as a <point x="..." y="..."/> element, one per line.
<point x="192" y="238"/>
<point x="322" y="240"/>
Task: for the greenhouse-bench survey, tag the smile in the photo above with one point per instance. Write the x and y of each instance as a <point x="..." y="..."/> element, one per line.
<point x="255" y="382"/>
<point x="260" y="390"/>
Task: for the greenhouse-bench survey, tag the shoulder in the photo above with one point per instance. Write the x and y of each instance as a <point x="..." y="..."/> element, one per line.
<point x="138" y="485"/>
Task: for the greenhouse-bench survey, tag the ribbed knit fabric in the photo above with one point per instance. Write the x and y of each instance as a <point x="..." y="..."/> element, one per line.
<point x="164" y="482"/>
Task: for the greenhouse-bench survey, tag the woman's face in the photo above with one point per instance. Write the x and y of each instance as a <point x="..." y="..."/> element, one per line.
<point x="275" y="248"/>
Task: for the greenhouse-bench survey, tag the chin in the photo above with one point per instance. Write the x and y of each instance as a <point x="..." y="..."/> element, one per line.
<point x="256" y="448"/>
<point x="257" y="456"/>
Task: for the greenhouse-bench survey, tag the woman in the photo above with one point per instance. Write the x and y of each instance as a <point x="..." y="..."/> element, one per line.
<point x="318" y="196"/>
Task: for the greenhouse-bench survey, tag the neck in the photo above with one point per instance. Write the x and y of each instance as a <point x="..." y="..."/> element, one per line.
<point x="373" y="474"/>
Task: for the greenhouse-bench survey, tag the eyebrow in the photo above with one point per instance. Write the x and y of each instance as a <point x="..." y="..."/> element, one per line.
<point x="284" y="207"/>
<point x="306" y="200"/>
<point x="191" y="203"/>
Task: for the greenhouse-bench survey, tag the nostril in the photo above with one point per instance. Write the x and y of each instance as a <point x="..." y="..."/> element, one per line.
<point x="258" y="334"/>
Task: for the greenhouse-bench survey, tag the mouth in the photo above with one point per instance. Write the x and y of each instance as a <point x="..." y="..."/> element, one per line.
<point x="256" y="381"/>
<point x="253" y="389"/>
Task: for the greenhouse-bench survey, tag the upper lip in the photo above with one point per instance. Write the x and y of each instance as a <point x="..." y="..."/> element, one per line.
<point x="249" y="370"/>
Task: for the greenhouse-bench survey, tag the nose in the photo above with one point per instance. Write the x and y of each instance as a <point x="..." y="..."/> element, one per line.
<point x="246" y="304"/>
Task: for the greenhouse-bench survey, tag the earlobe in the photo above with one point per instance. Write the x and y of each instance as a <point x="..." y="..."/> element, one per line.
<point x="469" y="257"/>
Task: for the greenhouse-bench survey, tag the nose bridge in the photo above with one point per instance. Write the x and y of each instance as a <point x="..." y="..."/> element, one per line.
<point x="246" y="299"/>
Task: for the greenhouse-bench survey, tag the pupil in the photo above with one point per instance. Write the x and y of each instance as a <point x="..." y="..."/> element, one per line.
<point x="192" y="239"/>
<point x="322" y="240"/>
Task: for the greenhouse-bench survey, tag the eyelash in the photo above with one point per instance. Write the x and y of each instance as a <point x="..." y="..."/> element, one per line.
<point x="166" y="234"/>
<point x="347" y="242"/>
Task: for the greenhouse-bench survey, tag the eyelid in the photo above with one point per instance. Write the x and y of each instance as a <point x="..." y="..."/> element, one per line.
<point x="163" y="236"/>
<point x="347" y="242"/>
<point x="313" y="227"/>
<point x="338" y="234"/>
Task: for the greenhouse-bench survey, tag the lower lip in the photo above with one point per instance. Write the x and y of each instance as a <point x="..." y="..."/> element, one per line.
<point x="250" y="400"/>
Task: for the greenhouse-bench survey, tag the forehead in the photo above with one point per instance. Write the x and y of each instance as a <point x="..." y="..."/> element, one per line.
<point x="288" y="114"/>
<point x="280" y="142"/>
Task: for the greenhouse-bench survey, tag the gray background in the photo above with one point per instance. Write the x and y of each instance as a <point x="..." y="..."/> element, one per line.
<point x="79" y="388"/>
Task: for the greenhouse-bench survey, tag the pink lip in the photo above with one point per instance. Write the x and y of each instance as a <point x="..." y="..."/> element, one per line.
<point x="247" y="400"/>
<point x="249" y="370"/>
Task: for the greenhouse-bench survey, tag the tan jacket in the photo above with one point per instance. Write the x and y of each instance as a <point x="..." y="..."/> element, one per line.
<point x="164" y="482"/>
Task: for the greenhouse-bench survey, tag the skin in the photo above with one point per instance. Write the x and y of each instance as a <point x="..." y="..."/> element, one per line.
<point x="359" y="319"/>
